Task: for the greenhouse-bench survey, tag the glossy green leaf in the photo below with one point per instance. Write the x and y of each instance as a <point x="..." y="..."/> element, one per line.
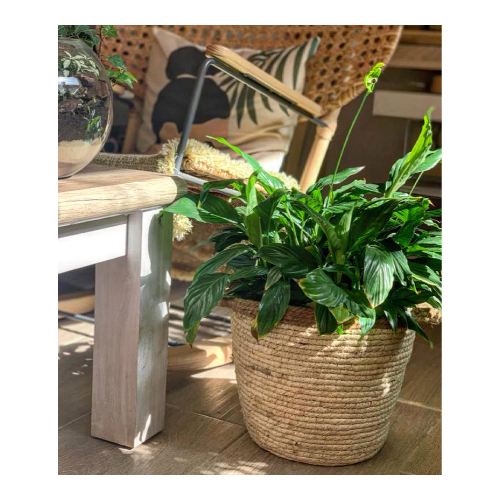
<point x="214" y="210"/>
<point x="248" y="273"/>
<point x="117" y="61"/>
<point x="413" y="325"/>
<point x="334" y="179"/>
<point x="219" y="184"/>
<point x="391" y="313"/>
<point x="202" y="296"/>
<point x="227" y="236"/>
<point x="273" y="276"/>
<point x="367" y="321"/>
<point x="370" y="222"/>
<point x="334" y="242"/>
<point x="424" y="273"/>
<point x="432" y="158"/>
<point x="325" y="320"/>
<point x="378" y="276"/>
<point x="341" y="313"/>
<point x="339" y="268"/>
<point x="320" y="288"/>
<point x="222" y="258"/>
<point x="404" y="168"/>
<point x="264" y="177"/>
<point x="292" y="260"/>
<point x="266" y="208"/>
<point x="272" y="307"/>
<point x="371" y="78"/>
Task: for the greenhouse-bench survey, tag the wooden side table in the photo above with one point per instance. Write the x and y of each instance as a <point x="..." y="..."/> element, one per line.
<point x="109" y="217"/>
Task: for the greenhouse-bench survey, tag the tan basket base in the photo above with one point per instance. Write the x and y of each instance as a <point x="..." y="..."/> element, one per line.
<point x="321" y="400"/>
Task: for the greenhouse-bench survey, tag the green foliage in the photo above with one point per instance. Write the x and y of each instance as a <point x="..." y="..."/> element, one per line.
<point x="372" y="77"/>
<point x="93" y="38"/>
<point x="360" y="250"/>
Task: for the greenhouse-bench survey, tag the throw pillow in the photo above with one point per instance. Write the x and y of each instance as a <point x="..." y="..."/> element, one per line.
<point x="259" y="126"/>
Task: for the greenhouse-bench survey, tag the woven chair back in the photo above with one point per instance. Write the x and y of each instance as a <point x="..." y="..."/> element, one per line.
<point x="334" y="74"/>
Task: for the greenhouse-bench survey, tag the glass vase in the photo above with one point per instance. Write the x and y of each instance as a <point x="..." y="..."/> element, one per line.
<point x="85" y="106"/>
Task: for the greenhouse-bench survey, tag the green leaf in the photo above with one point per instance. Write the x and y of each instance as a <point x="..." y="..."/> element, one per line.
<point x="334" y="179"/>
<point x="191" y="333"/>
<point x="266" y="208"/>
<point x="273" y="276"/>
<point x="254" y="231"/>
<point x="218" y="260"/>
<point x="413" y="325"/>
<point x="343" y="231"/>
<point x="214" y="210"/>
<point x="325" y="320"/>
<point x="367" y="321"/>
<point x="219" y="184"/>
<point x="227" y="236"/>
<point x="404" y="168"/>
<point x="391" y="313"/>
<point x="370" y="223"/>
<point x="272" y="307"/>
<point x="109" y="30"/>
<point x="320" y="288"/>
<point x="425" y="274"/>
<point x="248" y="273"/>
<point x="401" y="267"/>
<point x="334" y="242"/>
<point x="267" y="180"/>
<point x="293" y="261"/>
<point x="187" y="206"/>
<point x="117" y="61"/>
<point x="358" y="304"/>
<point x="202" y="296"/>
<point x="372" y="77"/>
<point x="404" y="297"/>
<point x="431" y="160"/>
<point x="339" y="268"/>
<point x="341" y="313"/>
<point x="378" y="276"/>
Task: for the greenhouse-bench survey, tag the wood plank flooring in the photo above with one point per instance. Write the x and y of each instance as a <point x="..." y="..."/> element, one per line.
<point x="204" y="428"/>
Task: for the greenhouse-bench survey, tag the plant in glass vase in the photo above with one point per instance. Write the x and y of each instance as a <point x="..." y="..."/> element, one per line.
<point x="85" y="94"/>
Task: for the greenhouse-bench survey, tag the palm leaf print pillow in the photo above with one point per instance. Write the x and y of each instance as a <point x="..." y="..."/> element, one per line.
<point x="260" y="126"/>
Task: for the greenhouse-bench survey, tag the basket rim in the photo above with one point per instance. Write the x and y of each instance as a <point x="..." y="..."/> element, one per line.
<point x="302" y="316"/>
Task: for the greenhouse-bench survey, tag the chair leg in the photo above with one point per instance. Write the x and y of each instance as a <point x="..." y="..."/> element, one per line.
<point x="133" y="125"/>
<point x="318" y="151"/>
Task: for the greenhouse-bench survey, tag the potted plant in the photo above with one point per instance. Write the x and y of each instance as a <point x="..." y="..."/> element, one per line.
<point x="324" y="287"/>
<point x="85" y="94"/>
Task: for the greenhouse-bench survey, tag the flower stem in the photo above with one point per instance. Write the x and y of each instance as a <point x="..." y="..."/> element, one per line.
<point x="346" y="140"/>
<point x="416" y="182"/>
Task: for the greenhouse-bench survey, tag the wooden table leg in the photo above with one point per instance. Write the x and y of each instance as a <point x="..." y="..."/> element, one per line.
<point x="131" y="334"/>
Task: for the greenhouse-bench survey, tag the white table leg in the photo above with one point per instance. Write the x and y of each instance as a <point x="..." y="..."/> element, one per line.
<point x="131" y="334"/>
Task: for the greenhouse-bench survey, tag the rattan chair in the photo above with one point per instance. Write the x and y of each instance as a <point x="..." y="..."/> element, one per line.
<point x="334" y="74"/>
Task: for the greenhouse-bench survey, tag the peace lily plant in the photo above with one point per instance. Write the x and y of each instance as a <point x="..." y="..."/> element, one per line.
<point x="350" y="250"/>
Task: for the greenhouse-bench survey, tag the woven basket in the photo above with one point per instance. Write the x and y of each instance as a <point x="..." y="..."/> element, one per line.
<point x="323" y="400"/>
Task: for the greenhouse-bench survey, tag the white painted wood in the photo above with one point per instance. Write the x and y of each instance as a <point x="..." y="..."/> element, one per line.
<point x="131" y="334"/>
<point x="87" y="243"/>
<point x="409" y="105"/>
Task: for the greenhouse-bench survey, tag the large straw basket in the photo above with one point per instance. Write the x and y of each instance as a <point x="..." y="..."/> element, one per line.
<point x="324" y="400"/>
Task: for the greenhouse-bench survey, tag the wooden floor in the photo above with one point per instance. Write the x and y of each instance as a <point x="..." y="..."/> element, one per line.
<point x="204" y="428"/>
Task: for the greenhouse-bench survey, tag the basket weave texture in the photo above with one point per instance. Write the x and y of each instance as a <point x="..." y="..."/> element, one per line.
<point x="323" y="400"/>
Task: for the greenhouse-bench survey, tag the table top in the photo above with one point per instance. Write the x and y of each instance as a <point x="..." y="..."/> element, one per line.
<point x="99" y="191"/>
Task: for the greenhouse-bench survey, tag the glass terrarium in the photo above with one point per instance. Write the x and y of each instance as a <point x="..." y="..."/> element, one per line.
<point x="85" y="106"/>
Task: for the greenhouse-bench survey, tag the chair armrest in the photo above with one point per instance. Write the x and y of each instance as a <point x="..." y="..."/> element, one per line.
<point x="238" y="63"/>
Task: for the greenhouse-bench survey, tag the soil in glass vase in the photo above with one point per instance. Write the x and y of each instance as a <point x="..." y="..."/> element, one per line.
<point x="85" y="106"/>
